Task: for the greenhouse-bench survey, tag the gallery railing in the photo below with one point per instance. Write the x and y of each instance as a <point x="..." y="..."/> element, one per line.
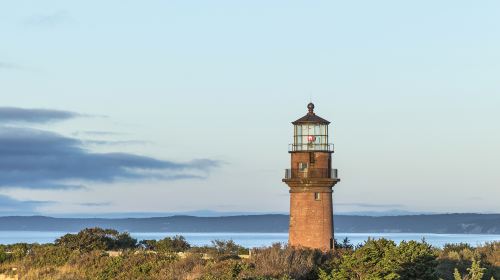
<point x="311" y="173"/>
<point x="310" y="147"/>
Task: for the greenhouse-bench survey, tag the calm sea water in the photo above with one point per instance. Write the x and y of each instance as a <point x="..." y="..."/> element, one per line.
<point x="260" y="239"/>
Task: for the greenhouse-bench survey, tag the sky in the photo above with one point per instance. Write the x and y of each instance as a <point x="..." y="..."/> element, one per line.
<point x="181" y="106"/>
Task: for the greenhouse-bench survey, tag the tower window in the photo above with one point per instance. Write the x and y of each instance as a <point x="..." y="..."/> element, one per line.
<point x="302" y="166"/>
<point x="317" y="196"/>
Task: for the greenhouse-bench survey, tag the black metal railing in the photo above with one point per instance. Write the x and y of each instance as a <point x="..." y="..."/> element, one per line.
<point x="310" y="147"/>
<point x="311" y="173"/>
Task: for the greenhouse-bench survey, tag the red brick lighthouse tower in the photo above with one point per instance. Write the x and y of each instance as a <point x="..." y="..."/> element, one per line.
<point x="311" y="179"/>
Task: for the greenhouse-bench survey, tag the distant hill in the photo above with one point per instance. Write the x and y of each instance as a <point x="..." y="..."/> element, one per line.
<point x="435" y="223"/>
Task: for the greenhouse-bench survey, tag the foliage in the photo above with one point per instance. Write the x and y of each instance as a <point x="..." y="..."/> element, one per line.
<point x="447" y="248"/>
<point x="45" y="255"/>
<point x="18" y="250"/>
<point x="168" y="244"/>
<point x="345" y="245"/>
<point x="476" y="272"/>
<point x="456" y="275"/>
<point x="82" y="256"/>
<point x="224" y="270"/>
<point x="3" y="254"/>
<point x="460" y="257"/>
<point x="373" y="260"/>
<point x="279" y="261"/>
<point x="383" y="259"/>
<point x="96" y="239"/>
<point x="227" y="249"/>
<point x="416" y="260"/>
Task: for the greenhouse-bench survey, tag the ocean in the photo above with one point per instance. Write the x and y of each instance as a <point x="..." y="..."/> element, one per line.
<point x="252" y="240"/>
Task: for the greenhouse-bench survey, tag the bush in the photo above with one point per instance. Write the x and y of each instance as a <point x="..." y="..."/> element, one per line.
<point x="173" y="244"/>
<point x="81" y="256"/>
<point x="91" y="239"/>
<point x="47" y="255"/>
<point x="18" y="250"/>
<point x="280" y="261"/>
<point x="373" y="260"/>
<point x="227" y="249"/>
<point x="3" y="254"/>
<point x="382" y="259"/>
<point x="167" y="245"/>
<point x="416" y="260"/>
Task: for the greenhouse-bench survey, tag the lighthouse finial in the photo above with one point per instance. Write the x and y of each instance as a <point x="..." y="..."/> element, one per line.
<point x="310" y="107"/>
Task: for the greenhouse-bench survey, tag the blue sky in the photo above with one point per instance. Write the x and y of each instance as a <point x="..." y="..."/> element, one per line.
<point x="165" y="106"/>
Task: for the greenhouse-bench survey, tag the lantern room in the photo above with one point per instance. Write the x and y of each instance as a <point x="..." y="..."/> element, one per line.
<point x="310" y="133"/>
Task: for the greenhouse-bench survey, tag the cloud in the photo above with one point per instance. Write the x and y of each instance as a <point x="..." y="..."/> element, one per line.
<point x="370" y="205"/>
<point x="97" y="133"/>
<point x="5" y="65"/>
<point x="13" y="114"/>
<point x="38" y="159"/>
<point x="116" y="142"/>
<point x="95" y="204"/>
<point x="48" y="19"/>
<point x="10" y="206"/>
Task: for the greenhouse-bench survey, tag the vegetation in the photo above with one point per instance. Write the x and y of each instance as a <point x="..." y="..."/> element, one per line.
<point x="96" y="239"/>
<point x="107" y="254"/>
<point x="168" y="244"/>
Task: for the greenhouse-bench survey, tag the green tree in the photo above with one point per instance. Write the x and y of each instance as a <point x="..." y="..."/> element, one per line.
<point x="169" y="244"/>
<point x="91" y="239"/>
<point x="3" y="254"/>
<point x="226" y="249"/>
<point x="323" y="275"/>
<point x="416" y="260"/>
<point x="345" y="244"/>
<point x="476" y="272"/>
<point x="19" y="250"/>
<point x="123" y="241"/>
<point x="374" y="260"/>
<point x="46" y="255"/>
<point x="382" y="259"/>
<point x="148" y="244"/>
<point x="456" y="275"/>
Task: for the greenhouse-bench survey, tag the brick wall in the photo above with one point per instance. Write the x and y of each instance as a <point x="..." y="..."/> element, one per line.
<point x="311" y="221"/>
<point x="311" y="217"/>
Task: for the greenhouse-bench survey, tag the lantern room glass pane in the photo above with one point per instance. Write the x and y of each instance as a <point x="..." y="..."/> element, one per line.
<point x="310" y="137"/>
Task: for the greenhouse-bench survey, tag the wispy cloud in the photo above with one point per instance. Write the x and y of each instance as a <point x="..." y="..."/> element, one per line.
<point x="14" y="114"/>
<point x="97" y="133"/>
<point x="48" y="19"/>
<point x="38" y="159"/>
<point x="9" y="66"/>
<point x="371" y="205"/>
<point x="95" y="204"/>
<point x="116" y="142"/>
<point x="11" y="206"/>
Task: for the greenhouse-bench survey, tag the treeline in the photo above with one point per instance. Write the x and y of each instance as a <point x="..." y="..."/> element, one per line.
<point x="92" y="254"/>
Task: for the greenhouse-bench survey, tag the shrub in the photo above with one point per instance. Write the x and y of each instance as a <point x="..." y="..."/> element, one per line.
<point x="227" y="249"/>
<point x="416" y="260"/>
<point x="18" y="250"/>
<point x="3" y="254"/>
<point x="91" y="239"/>
<point x="280" y="261"/>
<point x="47" y="255"/>
<point x="382" y="259"/>
<point x="172" y="244"/>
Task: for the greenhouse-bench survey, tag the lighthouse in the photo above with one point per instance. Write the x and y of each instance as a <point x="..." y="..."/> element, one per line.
<point x="311" y="180"/>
